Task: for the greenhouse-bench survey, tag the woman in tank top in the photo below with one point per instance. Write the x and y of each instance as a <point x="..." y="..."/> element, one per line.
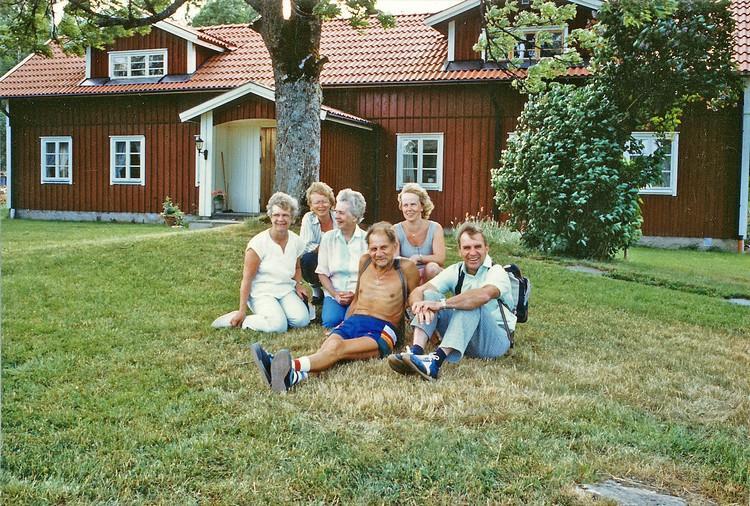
<point x="420" y="239"/>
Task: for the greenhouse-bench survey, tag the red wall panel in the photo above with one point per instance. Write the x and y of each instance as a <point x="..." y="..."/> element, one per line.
<point x="90" y="121"/>
<point x="156" y="39"/>
<point x="707" y="200"/>
<point x="463" y="113"/>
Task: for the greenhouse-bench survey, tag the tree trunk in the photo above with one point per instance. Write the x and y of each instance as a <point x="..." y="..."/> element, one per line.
<point x="298" y="136"/>
<point x="294" y="47"/>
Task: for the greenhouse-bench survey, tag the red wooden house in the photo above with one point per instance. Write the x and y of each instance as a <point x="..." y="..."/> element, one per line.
<point x="109" y="135"/>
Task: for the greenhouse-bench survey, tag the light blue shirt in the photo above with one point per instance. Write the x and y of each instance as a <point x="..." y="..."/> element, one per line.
<point x="310" y="231"/>
<point x="487" y="274"/>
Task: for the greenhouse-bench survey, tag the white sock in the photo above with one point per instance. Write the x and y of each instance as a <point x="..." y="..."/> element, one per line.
<point x="301" y="364"/>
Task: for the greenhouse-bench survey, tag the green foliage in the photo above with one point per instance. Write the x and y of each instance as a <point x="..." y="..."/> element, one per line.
<point x="506" y="24"/>
<point x="224" y="12"/>
<point x="503" y="238"/>
<point x="358" y="12"/>
<point x="24" y="28"/>
<point x="564" y="180"/>
<point x="659" y="56"/>
<point x="169" y="208"/>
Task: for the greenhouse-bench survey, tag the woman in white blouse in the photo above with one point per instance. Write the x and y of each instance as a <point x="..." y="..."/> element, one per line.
<point x="315" y="223"/>
<point x="338" y="259"/>
<point x="271" y="278"/>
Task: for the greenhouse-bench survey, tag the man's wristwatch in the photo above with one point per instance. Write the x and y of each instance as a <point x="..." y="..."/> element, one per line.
<point x="443" y="305"/>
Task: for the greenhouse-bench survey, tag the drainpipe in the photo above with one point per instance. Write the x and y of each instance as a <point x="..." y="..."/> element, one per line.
<point x="744" y="168"/>
<point x="8" y="157"/>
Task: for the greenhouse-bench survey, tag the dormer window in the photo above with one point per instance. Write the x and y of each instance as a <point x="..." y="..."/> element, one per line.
<point x="137" y="64"/>
<point x="530" y="49"/>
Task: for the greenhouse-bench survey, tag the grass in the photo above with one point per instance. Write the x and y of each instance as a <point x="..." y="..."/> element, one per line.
<point x="115" y="389"/>
<point x="714" y="273"/>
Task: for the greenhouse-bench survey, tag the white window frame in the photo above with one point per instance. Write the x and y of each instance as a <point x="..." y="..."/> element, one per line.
<point x="563" y="29"/>
<point x="401" y="138"/>
<point x="113" y="139"/>
<point x="649" y="140"/>
<point x="129" y="55"/>
<point x="59" y="139"/>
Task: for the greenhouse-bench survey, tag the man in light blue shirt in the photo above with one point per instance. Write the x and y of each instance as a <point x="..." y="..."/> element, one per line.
<point x="470" y="322"/>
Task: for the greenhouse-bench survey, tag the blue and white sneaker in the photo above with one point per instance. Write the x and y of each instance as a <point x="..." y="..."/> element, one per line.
<point x="424" y="365"/>
<point x="283" y="376"/>
<point x="399" y="363"/>
<point x="263" y="361"/>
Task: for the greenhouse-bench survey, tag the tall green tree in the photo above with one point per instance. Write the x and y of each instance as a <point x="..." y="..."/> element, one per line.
<point x="292" y="38"/>
<point x="564" y="179"/>
<point x="224" y="12"/>
<point x="12" y="50"/>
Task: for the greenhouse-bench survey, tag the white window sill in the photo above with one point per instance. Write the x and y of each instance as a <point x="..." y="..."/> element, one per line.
<point x="666" y="192"/>
<point x="133" y="182"/>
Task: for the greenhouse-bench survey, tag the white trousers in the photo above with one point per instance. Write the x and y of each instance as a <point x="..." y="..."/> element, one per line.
<point x="276" y="315"/>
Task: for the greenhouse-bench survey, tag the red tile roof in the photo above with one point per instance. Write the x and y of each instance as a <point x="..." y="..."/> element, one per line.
<point x="741" y="13"/>
<point x="412" y="52"/>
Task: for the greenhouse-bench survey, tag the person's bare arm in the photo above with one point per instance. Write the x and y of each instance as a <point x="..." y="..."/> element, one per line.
<point x="249" y="269"/>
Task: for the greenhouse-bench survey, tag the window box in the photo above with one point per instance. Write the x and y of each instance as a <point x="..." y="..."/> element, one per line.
<point x="57" y="160"/>
<point x="420" y="160"/>
<point x="127" y="156"/>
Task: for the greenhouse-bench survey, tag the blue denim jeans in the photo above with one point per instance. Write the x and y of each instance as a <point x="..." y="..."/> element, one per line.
<point x="333" y="312"/>
<point x="472" y="333"/>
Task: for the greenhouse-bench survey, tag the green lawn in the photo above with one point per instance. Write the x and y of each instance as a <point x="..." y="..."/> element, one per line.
<point x="720" y="274"/>
<point x="115" y="389"/>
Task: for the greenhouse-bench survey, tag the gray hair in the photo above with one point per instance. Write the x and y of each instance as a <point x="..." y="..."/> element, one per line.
<point x="472" y="229"/>
<point x="285" y="202"/>
<point x="356" y="202"/>
<point x="384" y="228"/>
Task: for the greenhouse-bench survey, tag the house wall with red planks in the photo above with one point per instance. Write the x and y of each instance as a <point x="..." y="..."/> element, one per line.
<point x="467" y="116"/>
<point x="90" y="121"/>
<point x="155" y="39"/>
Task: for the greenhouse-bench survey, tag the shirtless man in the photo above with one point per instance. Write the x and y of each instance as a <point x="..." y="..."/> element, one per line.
<point x="369" y="329"/>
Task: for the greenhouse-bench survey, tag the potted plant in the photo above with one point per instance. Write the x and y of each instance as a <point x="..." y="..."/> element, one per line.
<point x="171" y="213"/>
<point x="218" y="200"/>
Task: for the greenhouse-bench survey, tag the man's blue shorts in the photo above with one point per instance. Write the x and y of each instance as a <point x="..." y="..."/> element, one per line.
<point x="381" y="331"/>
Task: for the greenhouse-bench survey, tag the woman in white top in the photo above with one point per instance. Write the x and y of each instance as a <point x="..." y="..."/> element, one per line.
<point x="338" y="257"/>
<point x="315" y="223"/>
<point x="420" y="240"/>
<point x="271" y="278"/>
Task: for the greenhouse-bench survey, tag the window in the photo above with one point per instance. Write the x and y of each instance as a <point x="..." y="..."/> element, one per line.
<point x="534" y="46"/>
<point x="420" y="160"/>
<point x="57" y="160"/>
<point x="126" y="159"/>
<point x="668" y="183"/>
<point x="135" y="64"/>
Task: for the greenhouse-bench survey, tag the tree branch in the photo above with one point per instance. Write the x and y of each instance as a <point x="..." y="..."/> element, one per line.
<point x="131" y="21"/>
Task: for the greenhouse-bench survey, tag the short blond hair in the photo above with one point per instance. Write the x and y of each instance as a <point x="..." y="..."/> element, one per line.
<point x="285" y="202"/>
<point x="424" y="198"/>
<point x="320" y="188"/>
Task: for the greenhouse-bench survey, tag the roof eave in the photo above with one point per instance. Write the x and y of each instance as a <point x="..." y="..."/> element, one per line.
<point x="187" y="35"/>
<point x="225" y="98"/>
